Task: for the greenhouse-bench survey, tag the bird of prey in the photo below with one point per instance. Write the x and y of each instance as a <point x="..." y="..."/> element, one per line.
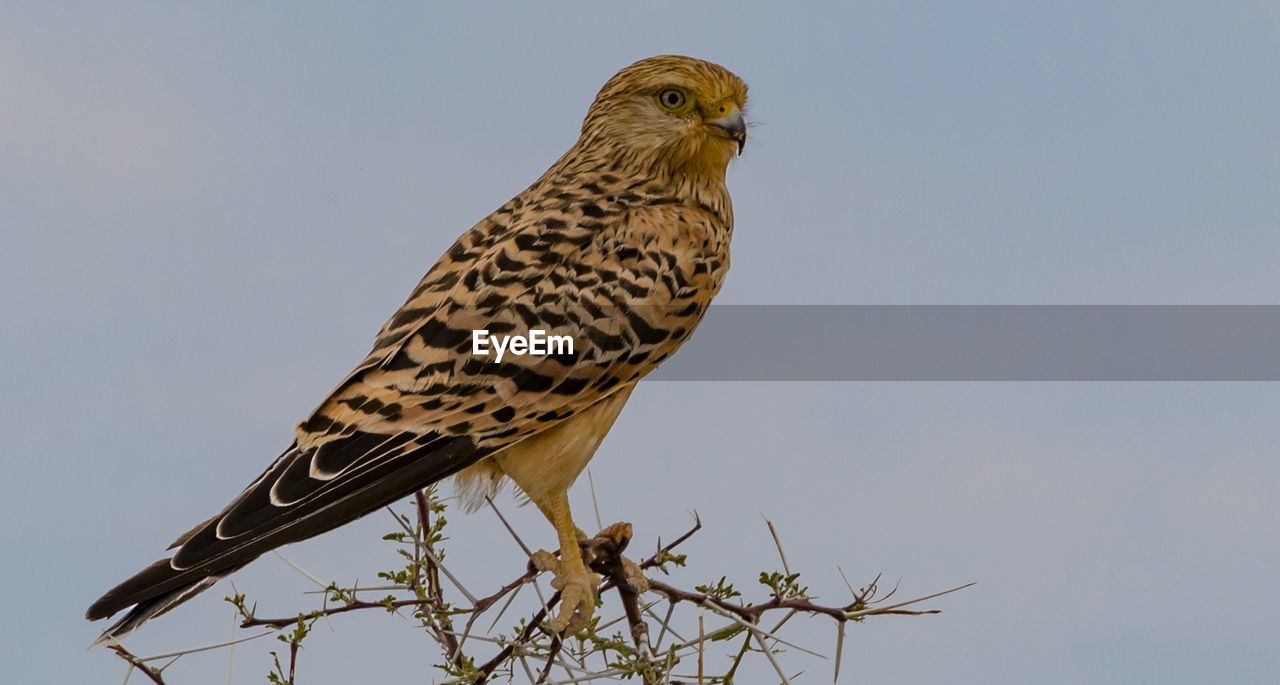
<point x="621" y="244"/>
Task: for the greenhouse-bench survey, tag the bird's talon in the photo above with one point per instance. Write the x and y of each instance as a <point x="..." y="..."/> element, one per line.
<point x="542" y="560"/>
<point x="619" y="533"/>
<point x="577" y="597"/>
<point x="635" y="576"/>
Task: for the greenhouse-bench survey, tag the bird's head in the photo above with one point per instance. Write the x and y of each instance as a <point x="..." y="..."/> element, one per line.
<point x="673" y="112"/>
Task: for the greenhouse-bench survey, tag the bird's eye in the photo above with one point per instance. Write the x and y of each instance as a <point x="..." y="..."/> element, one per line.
<point x="672" y="98"/>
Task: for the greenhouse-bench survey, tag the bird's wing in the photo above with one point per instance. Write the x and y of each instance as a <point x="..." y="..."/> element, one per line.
<point x="421" y="407"/>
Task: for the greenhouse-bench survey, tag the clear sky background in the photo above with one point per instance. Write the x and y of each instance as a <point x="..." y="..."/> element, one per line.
<point x="207" y="211"/>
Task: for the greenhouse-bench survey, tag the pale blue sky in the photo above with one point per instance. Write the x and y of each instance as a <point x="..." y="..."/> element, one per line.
<point x="208" y="211"/>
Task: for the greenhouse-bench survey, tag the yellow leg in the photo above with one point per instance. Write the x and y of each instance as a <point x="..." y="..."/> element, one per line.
<point x="576" y="583"/>
<point x="545" y="506"/>
<point x="562" y="519"/>
<point x="544" y="466"/>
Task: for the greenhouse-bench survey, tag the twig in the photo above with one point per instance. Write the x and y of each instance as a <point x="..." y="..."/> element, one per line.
<point x="556" y="644"/>
<point x="427" y="552"/>
<point x="892" y="608"/>
<point x="532" y="642"/>
<point x="777" y="542"/>
<point x="772" y="659"/>
<point x="656" y="559"/>
<point x="595" y="504"/>
<point x="206" y="648"/>
<point x="492" y="665"/>
<point x="617" y="575"/>
<point x="422" y="543"/>
<point x="839" y="649"/>
<point x="293" y="660"/>
<point x="751" y="613"/>
<point x="758" y="631"/>
<point x="136" y="663"/>
<point x="305" y="574"/>
<point x="701" y="638"/>
<point x="527" y="552"/>
<point x="231" y="649"/>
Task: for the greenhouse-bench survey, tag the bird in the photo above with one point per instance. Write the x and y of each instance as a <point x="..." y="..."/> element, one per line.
<point x="621" y="244"/>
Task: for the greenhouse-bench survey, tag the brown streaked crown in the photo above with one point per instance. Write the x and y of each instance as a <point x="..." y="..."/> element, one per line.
<point x="629" y="119"/>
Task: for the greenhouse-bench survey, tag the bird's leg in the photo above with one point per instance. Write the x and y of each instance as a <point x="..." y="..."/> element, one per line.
<point x="576" y="583"/>
<point x="620" y="534"/>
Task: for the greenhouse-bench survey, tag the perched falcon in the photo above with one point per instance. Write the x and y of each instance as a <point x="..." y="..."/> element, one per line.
<point x="621" y="245"/>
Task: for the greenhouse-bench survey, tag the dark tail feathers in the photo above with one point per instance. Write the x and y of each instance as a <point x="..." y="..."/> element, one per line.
<point x="151" y="592"/>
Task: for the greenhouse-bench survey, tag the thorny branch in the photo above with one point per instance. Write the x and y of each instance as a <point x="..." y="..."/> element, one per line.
<point x="136" y="664"/>
<point x="854" y="610"/>
<point x="420" y="545"/>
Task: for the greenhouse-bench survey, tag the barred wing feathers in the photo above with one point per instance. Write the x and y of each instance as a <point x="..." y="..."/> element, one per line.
<point x="421" y="408"/>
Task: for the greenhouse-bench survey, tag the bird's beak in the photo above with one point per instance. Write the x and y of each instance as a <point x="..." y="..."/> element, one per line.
<point x="733" y="124"/>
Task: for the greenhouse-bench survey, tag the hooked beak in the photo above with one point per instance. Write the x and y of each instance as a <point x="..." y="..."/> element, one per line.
<point x="735" y="126"/>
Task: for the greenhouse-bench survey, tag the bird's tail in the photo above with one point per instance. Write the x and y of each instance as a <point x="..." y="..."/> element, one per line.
<point x="150" y="593"/>
<point x="258" y="520"/>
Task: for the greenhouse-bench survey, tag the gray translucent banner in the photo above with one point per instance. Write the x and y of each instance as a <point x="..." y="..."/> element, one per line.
<point x="981" y="343"/>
